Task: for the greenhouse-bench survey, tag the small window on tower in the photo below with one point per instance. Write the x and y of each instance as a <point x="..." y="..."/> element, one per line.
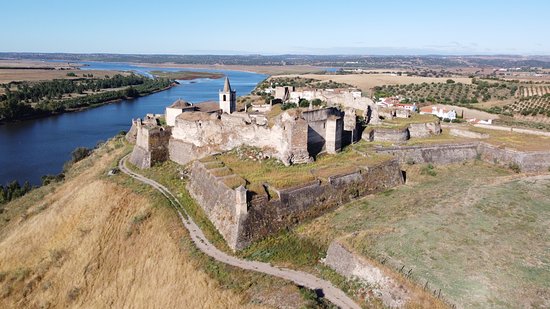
<point x="224" y="98"/>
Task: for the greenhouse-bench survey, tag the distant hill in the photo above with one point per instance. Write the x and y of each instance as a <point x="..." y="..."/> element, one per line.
<point x="351" y="61"/>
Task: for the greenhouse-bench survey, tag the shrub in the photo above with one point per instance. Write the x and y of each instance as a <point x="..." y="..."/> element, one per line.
<point x="286" y="106"/>
<point x="80" y="153"/>
<point x="514" y="167"/>
<point x="428" y="170"/>
<point x="47" y="179"/>
<point x="303" y="103"/>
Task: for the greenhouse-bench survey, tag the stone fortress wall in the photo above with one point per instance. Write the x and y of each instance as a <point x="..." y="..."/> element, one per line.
<point x="413" y="130"/>
<point x="293" y="138"/>
<point x="261" y="215"/>
<point x="151" y="144"/>
<point x="528" y="161"/>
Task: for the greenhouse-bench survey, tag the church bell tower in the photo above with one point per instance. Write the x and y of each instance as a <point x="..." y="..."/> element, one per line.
<point x="228" y="98"/>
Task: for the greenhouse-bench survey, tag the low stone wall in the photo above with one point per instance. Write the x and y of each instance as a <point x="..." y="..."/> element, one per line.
<point x="527" y="161"/>
<point x="436" y="154"/>
<point x="353" y="266"/>
<point x="467" y="134"/>
<point x="387" y="135"/>
<point x="266" y="215"/>
<point x="535" y="161"/>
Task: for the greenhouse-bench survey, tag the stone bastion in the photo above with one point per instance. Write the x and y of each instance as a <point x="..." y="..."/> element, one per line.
<point x="242" y="218"/>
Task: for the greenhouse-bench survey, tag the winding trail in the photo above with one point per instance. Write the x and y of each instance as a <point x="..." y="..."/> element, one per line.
<point x="332" y="293"/>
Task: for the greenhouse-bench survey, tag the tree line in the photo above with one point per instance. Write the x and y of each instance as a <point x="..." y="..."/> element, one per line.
<point x="44" y="98"/>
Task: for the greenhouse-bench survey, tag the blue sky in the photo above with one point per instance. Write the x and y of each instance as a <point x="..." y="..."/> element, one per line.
<point x="276" y="27"/>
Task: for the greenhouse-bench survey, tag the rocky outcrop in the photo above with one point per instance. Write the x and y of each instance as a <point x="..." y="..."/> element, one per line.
<point x="352" y="266"/>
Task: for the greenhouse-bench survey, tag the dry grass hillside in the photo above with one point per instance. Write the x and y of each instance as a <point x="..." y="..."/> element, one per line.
<point x="91" y="242"/>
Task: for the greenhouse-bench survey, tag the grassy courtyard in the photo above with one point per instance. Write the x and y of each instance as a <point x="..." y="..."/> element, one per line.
<point x="271" y="171"/>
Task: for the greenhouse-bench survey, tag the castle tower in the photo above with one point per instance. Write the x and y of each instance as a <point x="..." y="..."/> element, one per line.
<point x="228" y="98"/>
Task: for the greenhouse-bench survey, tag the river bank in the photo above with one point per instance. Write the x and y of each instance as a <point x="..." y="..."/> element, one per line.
<point x="37" y="147"/>
<point x="46" y="114"/>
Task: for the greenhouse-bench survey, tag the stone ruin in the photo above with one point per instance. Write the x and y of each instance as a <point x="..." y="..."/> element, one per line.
<point x="295" y="136"/>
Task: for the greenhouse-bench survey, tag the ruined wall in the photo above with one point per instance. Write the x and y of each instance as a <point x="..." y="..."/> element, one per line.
<point x="131" y="136"/>
<point x="436" y="154"/>
<point x="352" y="266"/>
<point x="209" y="133"/>
<point x="530" y="161"/>
<point x="419" y="130"/>
<point x="297" y="137"/>
<point x="151" y="145"/>
<point x="387" y="135"/>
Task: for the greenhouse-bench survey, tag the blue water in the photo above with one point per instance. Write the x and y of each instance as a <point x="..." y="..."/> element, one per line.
<point x="33" y="148"/>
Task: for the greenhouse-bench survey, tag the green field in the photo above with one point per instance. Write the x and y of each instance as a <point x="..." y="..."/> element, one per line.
<point x="477" y="232"/>
<point x="186" y="75"/>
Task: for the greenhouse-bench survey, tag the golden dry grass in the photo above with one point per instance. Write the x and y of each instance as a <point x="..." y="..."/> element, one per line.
<point x="523" y="142"/>
<point x="366" y="82"/>
<point x="92" y="243"/>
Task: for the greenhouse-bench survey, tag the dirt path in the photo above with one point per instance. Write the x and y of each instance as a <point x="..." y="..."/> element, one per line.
<point x="333" y="294"/>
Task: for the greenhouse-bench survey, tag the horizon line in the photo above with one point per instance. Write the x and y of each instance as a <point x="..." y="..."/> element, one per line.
<point x="281" y="54"/>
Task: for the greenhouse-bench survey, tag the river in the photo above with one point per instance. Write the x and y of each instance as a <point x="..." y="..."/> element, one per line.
<point x="33" y="148"/>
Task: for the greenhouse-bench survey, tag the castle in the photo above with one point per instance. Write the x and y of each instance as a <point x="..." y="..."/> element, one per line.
<point x="194" y="131"/>
<point x="243" y="213"/>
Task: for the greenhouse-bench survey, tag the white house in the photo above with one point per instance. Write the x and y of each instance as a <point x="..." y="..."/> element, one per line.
<point x="439" y="112"/>
<point x="178" y="107"/>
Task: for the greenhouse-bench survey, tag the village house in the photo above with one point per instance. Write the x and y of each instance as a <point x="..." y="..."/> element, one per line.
<point x="440" y="112"/>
